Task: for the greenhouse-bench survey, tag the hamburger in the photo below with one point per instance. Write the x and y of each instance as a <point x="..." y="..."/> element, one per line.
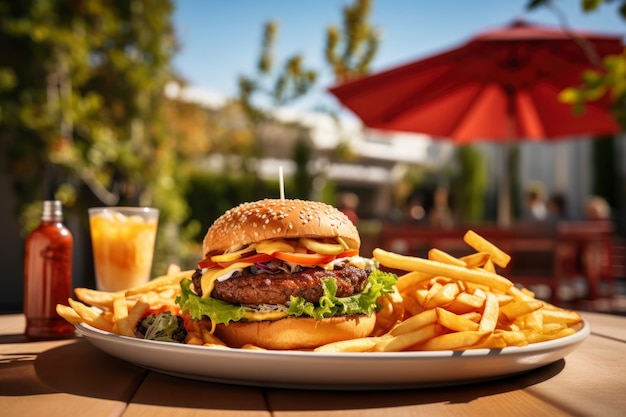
<point x="284" y="274"/>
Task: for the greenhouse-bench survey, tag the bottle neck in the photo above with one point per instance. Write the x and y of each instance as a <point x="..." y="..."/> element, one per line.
<point x="52" y="211"/>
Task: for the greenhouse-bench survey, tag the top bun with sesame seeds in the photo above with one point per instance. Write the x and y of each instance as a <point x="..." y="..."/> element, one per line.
<point x="284" y="274"/>
<point x="278" y="219"/>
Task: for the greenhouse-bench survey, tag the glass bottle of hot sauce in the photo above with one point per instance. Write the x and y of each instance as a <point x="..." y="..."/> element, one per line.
<point x="48" y="275"/>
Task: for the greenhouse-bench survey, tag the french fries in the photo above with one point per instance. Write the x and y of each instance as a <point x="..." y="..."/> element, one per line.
<point x="434" y="268"/>
<point x="481" y="244"/>
<point x="452" y="304"/>
<point x="119" y="312"/>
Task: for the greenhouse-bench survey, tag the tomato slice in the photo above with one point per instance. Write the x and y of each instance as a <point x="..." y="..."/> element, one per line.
<point x="206" y="263"/>
<point x="304" y="258"/>
<point x="257" y="257"/>
<point x="348" y="253"/>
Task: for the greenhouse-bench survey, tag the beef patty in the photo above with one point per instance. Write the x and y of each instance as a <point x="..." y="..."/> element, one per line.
<point x="277" y="288"/>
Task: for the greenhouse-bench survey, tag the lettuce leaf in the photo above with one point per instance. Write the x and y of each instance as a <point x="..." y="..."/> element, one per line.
<point x="163" y="327"/>
<point x="378" y="284"/>
<point x="217" y="310"/>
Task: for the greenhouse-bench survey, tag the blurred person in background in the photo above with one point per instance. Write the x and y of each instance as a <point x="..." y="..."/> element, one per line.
<point x="536" y="208"/>
<point x="440" y="215"/>
<point x="557" y="207"/>
<point x="597" y="208"/>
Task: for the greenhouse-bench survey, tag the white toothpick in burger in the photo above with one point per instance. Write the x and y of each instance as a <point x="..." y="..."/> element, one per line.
<point x="285" y="274"/>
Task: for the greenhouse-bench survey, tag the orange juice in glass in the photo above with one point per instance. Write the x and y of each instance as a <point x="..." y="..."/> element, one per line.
<point x="122" y="240"/>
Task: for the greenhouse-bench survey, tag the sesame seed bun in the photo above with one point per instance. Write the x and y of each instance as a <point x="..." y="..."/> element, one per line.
<point x="295" y="333"/>
<point x="275" y="219"/>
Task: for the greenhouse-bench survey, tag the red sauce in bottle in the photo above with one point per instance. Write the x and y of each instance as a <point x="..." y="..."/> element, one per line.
<point x="48" y="275"/>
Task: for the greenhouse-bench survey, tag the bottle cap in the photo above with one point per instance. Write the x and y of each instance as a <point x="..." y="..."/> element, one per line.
<point x="52" y="210"/>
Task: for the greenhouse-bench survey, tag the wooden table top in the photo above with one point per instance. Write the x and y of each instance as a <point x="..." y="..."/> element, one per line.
<point x="73" y="378"/>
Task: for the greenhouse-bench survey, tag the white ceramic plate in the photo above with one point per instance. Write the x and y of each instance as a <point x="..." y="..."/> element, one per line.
<point x="311" y="370"/>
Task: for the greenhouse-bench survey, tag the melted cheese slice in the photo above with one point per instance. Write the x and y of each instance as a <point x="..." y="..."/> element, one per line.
<point x="207" y="282"/>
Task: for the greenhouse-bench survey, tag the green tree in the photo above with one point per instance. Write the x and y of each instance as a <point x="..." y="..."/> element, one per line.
<point x="609" y="79"/>
<point x="271" y="87"/>
<point x="81" y="89"/>
<point x="81" y="95"/>
<point x="351" y="48"/>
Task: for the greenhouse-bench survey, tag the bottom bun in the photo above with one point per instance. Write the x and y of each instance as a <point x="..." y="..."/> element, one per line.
<point x="295" y="333"/>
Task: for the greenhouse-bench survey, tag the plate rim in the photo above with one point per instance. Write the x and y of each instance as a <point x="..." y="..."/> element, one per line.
<point x="581" y="334"/>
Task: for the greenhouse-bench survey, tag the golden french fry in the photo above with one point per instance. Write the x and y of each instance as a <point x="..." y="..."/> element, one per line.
<point x="97" y="298"/>
<point x="498" y="256"/>
<point x="513" y="337"/>
<point x="248" y="346"/>
<point x="194" y="338"/>
<point x="520" y="308"/>
<point x="90" y="316"/>
<point x="160" y="283"/>
<point x="489" y="266"/>
<point x="472" y="287"/>
<point x="391" y="312"/>
<point x="534" y="337"/>
<point x="521" y="294"/>
<point x="168" y="295"/>
<point x="455" y="341"/>
<point x="533" y="321"/>
<point x="210" y="338"/>
<point x="489" y="320"/>
<point x="465" y="302"/>
<point x="136" y="313"/>
<point x="418" y="321"/>
<point x="473" y="316"/>
<point x="493" y="341"/>
<point x="553" y="327"/>
<point x="441" y="256"/>
<point x="445" y="295"/>
<point x="408" y="263"/>
<point x="405" y="341"/>
<point x="454" y="322"/>
<point x="68" y="313"/>
<point x="560" y="316"/>
<point x="420" y="296"/>
<point x="121" y="323"/>
<point x="216" y="345"/>
<point x="479" y="292"/>
<point x="363" y="344"/>
<point x="503" y="299"/>
<point x="411" y="279"/>
<point x="151" y="298"/>
<point x="434" y="289"/>
<point x="411" y="305"/>
<point x="476" y="260"/>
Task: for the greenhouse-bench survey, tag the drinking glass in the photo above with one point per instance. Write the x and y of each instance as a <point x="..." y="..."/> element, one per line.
<point x="123" y="240"/>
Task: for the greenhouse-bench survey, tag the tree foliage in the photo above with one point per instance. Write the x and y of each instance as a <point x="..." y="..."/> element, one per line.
<point x="271" y="86"/>
<point x="350" y="49"/>
<point x="81" y="94"/>
<point x="596" y="83"/>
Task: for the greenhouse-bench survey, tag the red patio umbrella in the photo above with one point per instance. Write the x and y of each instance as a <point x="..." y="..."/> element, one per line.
<point x="502" y="85"/>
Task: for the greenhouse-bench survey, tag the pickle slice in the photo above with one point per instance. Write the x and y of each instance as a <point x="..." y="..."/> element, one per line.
<point x="321" y="247"/>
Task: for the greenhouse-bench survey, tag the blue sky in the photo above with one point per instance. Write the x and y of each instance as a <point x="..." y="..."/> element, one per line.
<point x="220" y="39"/>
